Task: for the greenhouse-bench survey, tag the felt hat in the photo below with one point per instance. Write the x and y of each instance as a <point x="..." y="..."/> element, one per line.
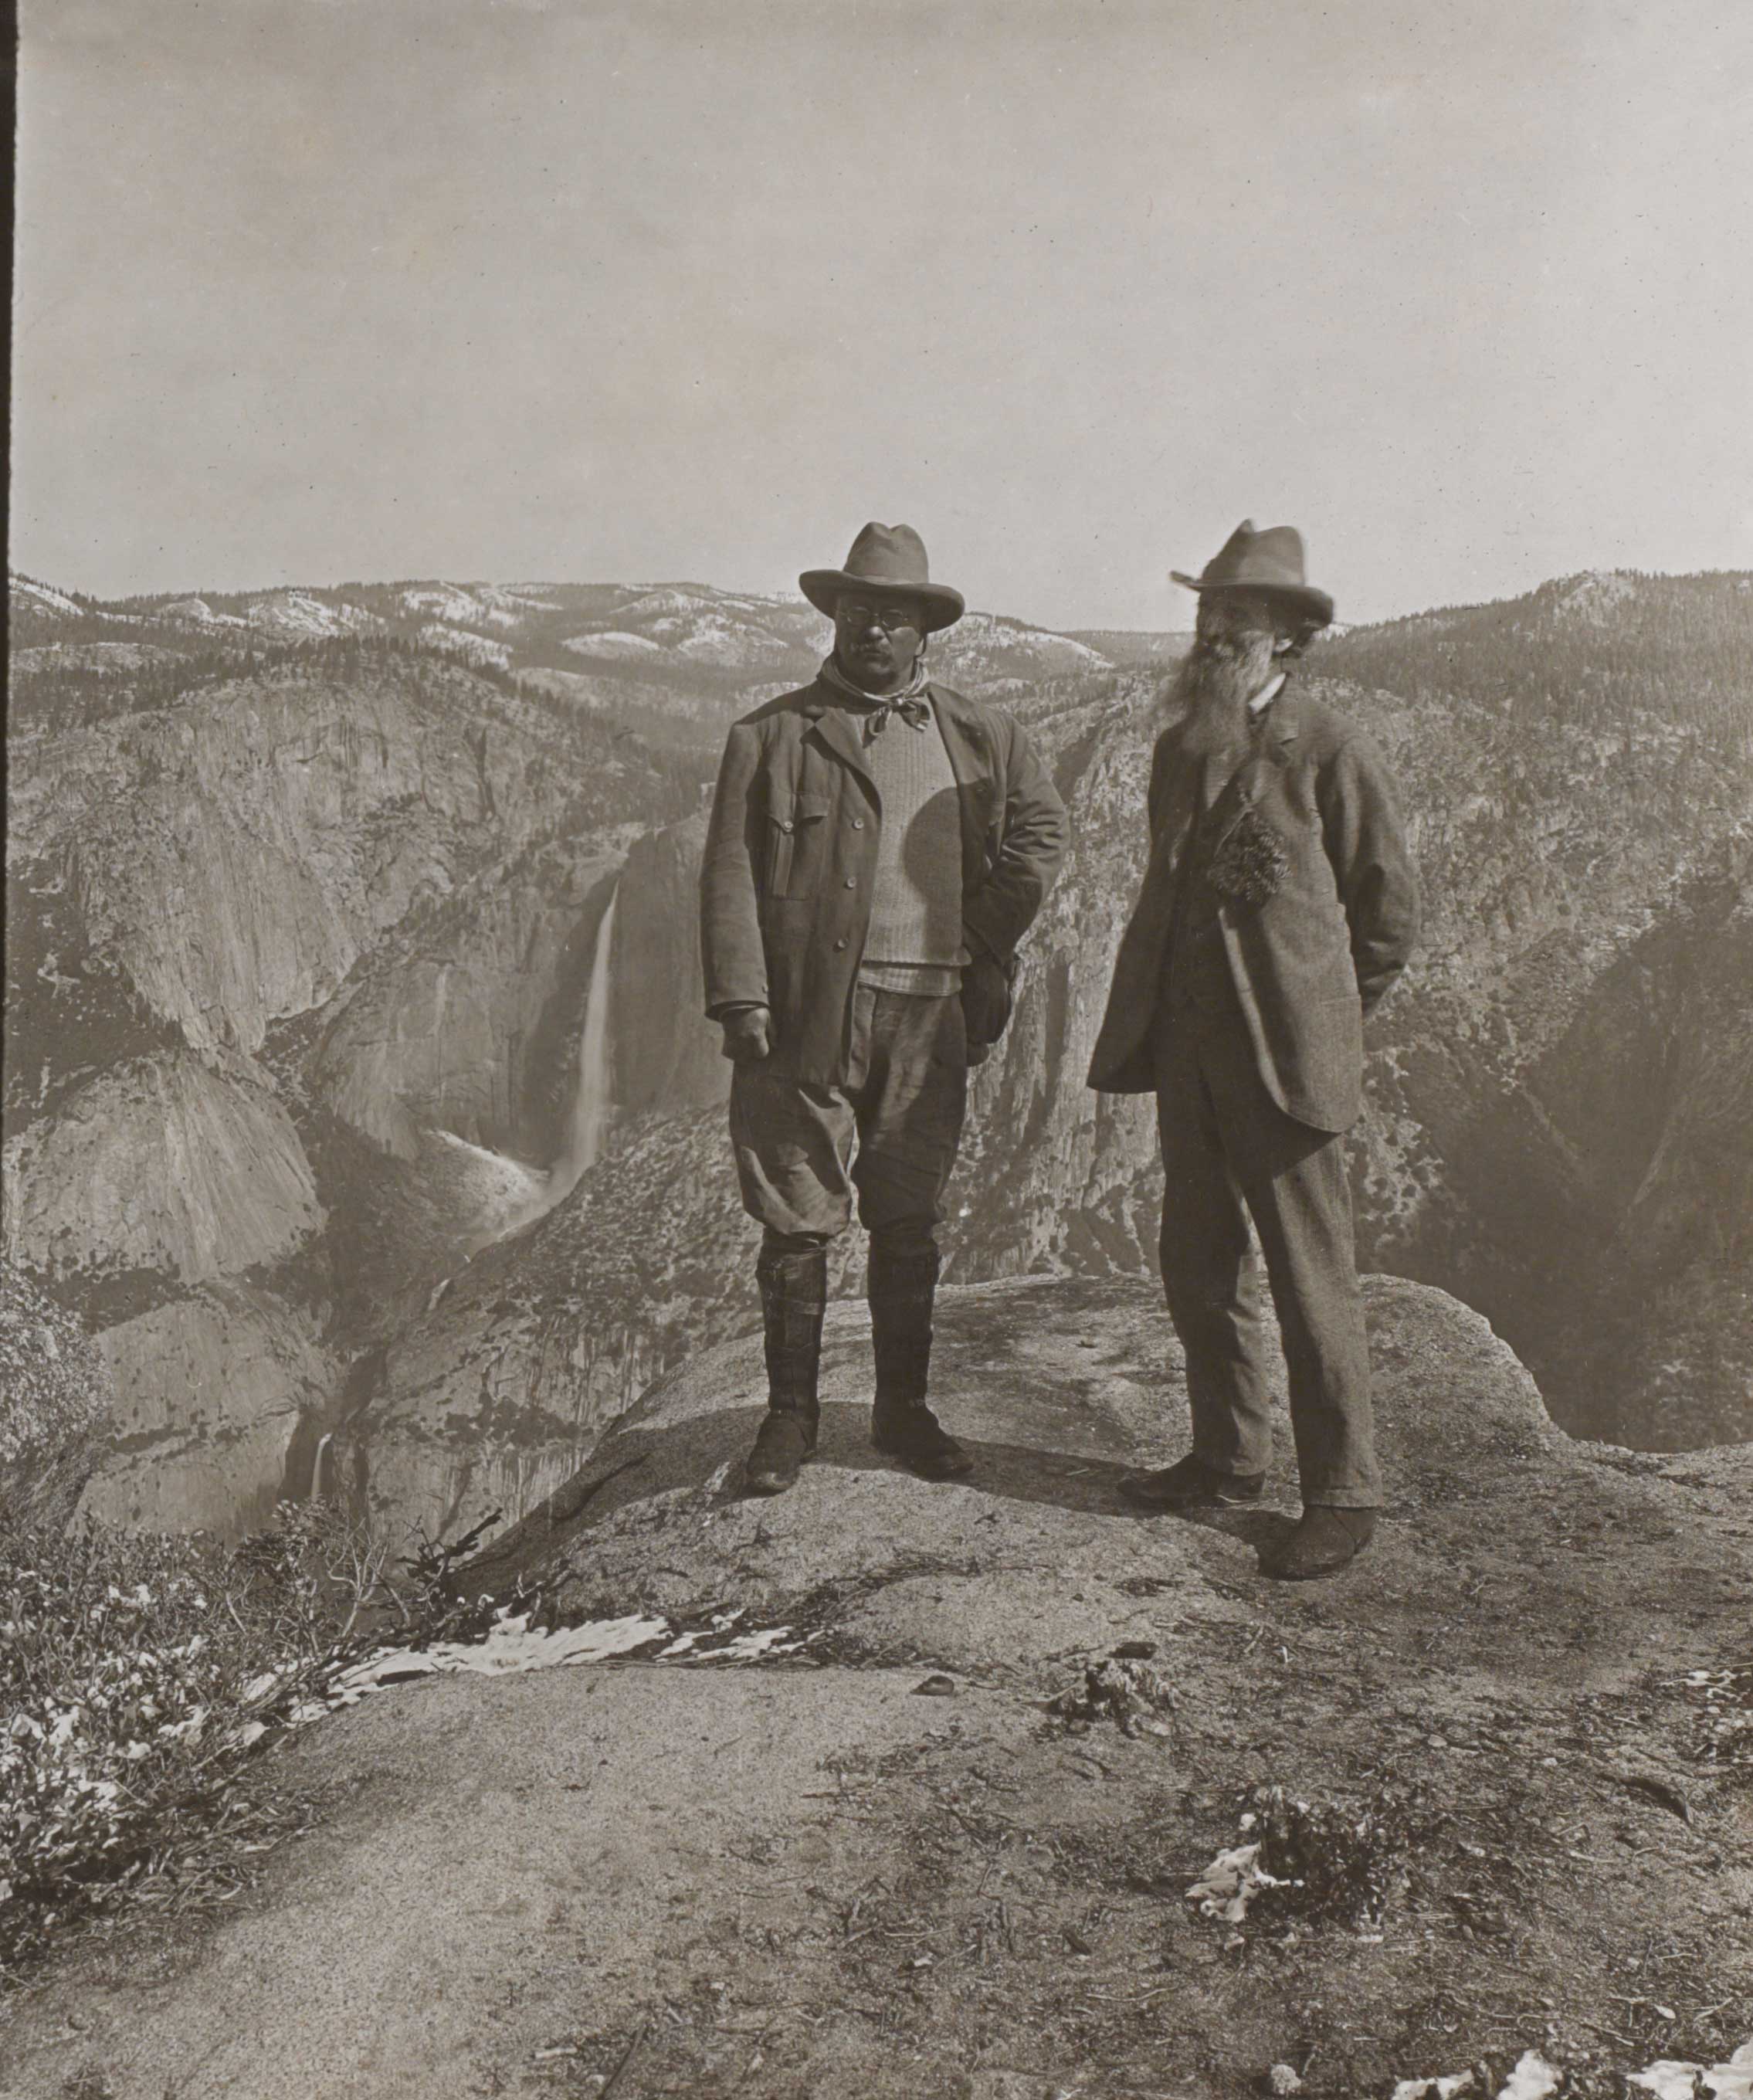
<point x="886" y="559"/>
<point x="1268" y="560"/>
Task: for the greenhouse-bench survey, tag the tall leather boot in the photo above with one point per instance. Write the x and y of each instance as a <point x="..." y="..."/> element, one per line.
<point x="794" y="1290"/>
<point x="901" y="1289"/>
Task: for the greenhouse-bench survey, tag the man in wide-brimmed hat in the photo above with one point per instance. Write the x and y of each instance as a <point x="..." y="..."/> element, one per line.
<point x="878" y="846"/>
<point x="1279" y="904"/>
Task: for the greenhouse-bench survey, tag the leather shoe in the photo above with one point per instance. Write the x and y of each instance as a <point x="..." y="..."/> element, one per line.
<point x="1325" y="1542"/>
<point x="1190" y="1483"/>
<point x="782" y="1445"/>
<point x="916" y="1436"/>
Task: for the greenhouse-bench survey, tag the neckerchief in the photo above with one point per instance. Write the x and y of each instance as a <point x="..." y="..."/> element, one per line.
<point x="881" y="708"/>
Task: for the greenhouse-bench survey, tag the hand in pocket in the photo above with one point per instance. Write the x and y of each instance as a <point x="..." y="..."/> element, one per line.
<point x="985" y="1001"/>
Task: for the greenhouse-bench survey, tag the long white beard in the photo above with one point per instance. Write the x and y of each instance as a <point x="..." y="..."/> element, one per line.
<point x="1211" y="691"/>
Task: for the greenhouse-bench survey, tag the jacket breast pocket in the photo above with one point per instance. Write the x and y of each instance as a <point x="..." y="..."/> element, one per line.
<point x="797" y="845"/>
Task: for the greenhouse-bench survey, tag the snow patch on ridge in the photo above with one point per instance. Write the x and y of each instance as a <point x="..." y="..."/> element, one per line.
<point x="470" y="648"/>
<point x="443" y="601"/>
<point x="30" y="597"/>
<point x="197" y="609"/>
<point x="298" y="614"/>
<point x="612" y="643"/>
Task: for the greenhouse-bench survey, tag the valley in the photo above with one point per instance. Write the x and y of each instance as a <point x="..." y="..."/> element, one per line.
<point x="358" y="1101"/>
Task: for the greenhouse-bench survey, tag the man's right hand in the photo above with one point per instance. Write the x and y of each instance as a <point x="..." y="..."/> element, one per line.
<point x="748" y="1035"/>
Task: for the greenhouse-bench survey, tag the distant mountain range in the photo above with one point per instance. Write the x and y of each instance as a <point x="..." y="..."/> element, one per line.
<point x="651" y="652"/>
<point x="306" y="887"/>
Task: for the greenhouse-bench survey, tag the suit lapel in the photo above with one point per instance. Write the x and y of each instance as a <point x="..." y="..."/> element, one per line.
<point x="972" y="762"/>
<point x="1283" y="724"/>
<point x="964" y="739"/>
<point x="836" y="729"/>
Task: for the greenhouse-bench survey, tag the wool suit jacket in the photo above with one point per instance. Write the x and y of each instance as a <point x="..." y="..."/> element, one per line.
<point x="790" y="867"/>
<point x="1307" y="962"/>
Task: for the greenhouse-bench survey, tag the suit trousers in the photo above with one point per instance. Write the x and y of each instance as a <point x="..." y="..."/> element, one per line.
<point x="1230" y="1153"/>
<point x="887" y="1138"/>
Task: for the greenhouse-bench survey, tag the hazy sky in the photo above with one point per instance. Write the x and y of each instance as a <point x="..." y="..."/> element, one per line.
<point x="318" y="289"/>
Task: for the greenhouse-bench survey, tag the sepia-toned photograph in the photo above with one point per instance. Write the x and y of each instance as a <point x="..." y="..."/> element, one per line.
<point x="877" y="1216"/>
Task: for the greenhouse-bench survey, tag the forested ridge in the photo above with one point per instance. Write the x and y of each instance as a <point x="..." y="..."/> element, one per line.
<point x="1610" y="651"/>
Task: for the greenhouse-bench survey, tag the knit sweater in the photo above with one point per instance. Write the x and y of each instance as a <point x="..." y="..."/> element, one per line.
<point x="915" y="943"/>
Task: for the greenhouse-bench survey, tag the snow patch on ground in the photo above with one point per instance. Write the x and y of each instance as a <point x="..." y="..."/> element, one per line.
<point x="1535" y="2079"/>
<point x="513" y="1646"/>
<point x="1674" y="2080"/>
<point x="1230" y="1883"/>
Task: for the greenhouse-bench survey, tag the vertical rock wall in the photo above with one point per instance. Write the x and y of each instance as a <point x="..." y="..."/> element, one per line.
<point x="666" y="1052"/>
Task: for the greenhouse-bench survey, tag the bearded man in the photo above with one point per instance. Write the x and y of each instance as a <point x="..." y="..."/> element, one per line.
<point x="1279" y="905"/>
<point x="879" y="845"/>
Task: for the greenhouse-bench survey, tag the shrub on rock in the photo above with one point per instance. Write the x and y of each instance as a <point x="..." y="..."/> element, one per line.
<point x="56" y="1396"/>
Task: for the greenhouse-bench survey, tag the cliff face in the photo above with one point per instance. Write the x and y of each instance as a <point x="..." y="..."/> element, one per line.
<point x="171" y="1200"/>
<point x="166" y="1165"/>
<point x="666" y="1055"/>
<point x="299" y="963"/>
<point x="464" y="1030"/>
<point x="1557" y="1127"/>
<point x="506" y="1384"/>
<point x="303" y="947"/>
<point x="211" y="1387"/>
<point x="1576" y="1025"/>
<point x="1669" y="1332"/>
<point x="238" y="856"/>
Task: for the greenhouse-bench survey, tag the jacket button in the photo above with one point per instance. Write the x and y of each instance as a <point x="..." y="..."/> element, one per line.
<point x="784" y="824"/>
<point x="851" y="882"/>
<point x="841" y="942"/>
<point x="858" y="823"/>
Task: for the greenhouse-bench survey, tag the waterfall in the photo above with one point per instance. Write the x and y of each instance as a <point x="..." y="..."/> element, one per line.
<point x="589" y="1122"/>
<point x="503" y="1195"/>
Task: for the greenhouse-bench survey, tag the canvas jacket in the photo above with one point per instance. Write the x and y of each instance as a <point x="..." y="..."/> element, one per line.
<point x="790" y="866"/>
<point x="1309" y="962"/>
